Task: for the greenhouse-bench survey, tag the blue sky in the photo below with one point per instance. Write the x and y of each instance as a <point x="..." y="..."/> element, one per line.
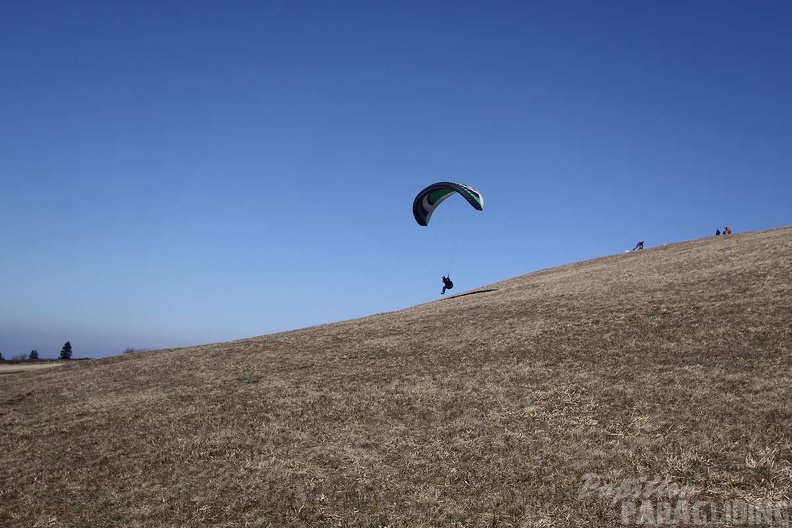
<point x="179" y="173"/>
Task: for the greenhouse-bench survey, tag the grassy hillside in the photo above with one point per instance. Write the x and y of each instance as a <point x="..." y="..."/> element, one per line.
<point x="489" y="408"/>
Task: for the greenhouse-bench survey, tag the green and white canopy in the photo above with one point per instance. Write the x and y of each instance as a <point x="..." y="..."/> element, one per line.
<point x="428" y="199"/>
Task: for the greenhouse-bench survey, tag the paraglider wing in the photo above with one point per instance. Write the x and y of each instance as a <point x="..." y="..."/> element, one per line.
<point x="428" y="199"/>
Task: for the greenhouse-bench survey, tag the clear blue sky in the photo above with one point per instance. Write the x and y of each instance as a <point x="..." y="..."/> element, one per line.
<point x="179" y="173"/>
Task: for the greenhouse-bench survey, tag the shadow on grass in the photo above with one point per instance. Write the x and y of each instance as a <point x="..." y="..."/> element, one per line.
<point x="472" y="293"/>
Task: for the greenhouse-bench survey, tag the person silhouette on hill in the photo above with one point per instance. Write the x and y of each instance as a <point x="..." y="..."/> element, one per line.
<point x="717" y="232"/>
<point x="639" y="245"/>
<point x="447" y="284"/>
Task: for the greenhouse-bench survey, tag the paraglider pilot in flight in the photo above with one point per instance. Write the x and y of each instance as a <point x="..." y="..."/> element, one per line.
<point x="447" y="284"/>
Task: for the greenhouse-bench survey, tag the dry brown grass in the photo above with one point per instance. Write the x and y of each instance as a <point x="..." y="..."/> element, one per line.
<point x="7" y="368"/>
<point x="484" y="409"/>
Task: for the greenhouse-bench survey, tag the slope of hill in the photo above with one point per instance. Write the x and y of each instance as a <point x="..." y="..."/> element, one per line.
<point x="518" y="404"/>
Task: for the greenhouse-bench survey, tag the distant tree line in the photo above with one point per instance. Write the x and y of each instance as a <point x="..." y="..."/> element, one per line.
<point x="65" y="353"/>
<point x="131" y="350"/>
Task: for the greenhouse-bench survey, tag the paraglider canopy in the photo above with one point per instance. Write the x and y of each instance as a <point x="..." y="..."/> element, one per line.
<point x="429" y="198"/>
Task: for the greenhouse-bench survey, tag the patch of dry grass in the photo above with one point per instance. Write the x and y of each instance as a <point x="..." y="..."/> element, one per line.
<point x="7" y="368"/>
<point x="484" y="409"/>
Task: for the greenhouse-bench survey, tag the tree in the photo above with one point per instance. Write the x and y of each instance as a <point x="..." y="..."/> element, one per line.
<point x="66" y="351"/>
<point x="131" y="350"/>
<point x="33" y="355"/>
<point x="1" y="357"/>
